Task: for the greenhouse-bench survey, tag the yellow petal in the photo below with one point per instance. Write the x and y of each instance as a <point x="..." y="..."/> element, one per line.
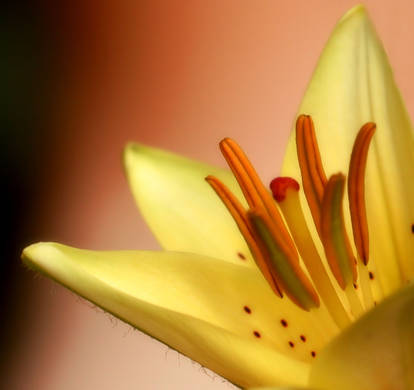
<point x="181" y="209"/>
<point x="353" y="84"/>
<point x="279" y="388"/>
<point x="377" y="352"/>
<point x="192" y="303"/>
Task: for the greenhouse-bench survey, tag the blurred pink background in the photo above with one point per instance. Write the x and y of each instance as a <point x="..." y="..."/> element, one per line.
<point x="180" y="75"/>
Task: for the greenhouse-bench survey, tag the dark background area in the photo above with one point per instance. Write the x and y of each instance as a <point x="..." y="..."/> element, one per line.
<point x="28" y="52"/>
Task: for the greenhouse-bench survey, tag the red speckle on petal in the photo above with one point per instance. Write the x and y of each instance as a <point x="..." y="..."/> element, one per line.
<point x="303" y="338"/>
<point x="291" y="344"/>
<point x="247" y="309"/>
<point x="241" y="256"/>
<point x="257" y="334"/>
<point x="284" y="323"/>
<point x="313" y="353"/>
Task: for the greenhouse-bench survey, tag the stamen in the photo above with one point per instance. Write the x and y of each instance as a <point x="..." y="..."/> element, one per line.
<point x="285" y="269"/>
<point x="336" y="242"/>
<point x="354" y="301"/>
<point x="253" y="189"/>
<point x="240" y="217"/>
<point x="364" y="278"/>
<point x="286" y="192"/>
<point x="356" y="190"/>
<point x="310" y="163"/>
<point x="334" y="237"/>
<point x="270" y="241"/>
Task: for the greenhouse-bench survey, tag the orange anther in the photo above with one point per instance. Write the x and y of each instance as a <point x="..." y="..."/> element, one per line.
<point x="239" y="215"/>
<point x="333" y="233"/>
<point x="356" y="190"/>
<point x="286" y="271"/>
<point x="256" y="194"/>
<point x="310" y="163"/>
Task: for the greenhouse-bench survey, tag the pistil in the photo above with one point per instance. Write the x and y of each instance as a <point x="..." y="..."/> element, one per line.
<point x="285" y="191"/>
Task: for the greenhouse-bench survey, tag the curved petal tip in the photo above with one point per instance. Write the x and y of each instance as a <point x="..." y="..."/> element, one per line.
<point x="377" y="352"/>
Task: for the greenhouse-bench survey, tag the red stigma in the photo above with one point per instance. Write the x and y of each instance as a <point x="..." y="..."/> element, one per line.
<point x="280" y="185"/>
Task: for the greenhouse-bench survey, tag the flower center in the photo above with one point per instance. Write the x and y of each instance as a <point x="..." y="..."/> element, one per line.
<point x="279" y="237"/>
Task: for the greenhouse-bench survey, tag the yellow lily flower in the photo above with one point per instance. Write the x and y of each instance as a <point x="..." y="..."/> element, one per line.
<point x="309" y="291"/>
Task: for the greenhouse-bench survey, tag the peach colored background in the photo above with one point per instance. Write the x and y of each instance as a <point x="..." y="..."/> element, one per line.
<point x="179" y="75"/>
